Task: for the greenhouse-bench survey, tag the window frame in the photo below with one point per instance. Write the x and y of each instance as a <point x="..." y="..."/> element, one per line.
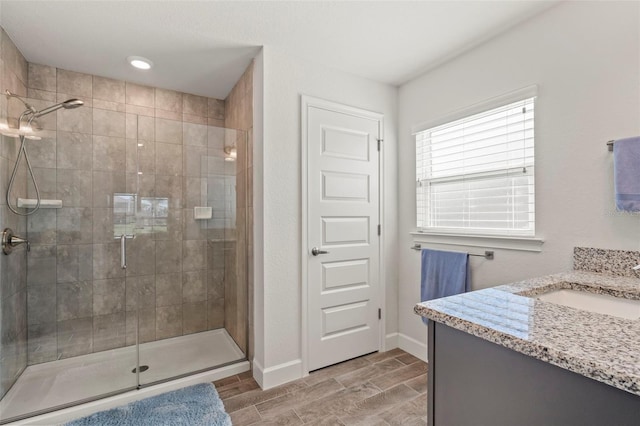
<point x="526" y="240"/>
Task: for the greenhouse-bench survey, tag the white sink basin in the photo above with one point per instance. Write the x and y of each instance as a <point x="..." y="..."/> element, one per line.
<point x="592" y="302"/>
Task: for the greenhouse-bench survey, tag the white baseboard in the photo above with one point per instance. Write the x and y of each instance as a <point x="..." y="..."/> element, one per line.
<point x="391" y="341"/>
<point x="278" y="374"/>
<point x="413" y="346"/>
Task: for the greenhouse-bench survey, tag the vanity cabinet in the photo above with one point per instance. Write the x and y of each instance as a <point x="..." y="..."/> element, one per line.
<point x="476" y="382"/>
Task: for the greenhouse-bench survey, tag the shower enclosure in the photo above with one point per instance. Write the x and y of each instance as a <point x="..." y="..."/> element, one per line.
<point x="139" y="276"/>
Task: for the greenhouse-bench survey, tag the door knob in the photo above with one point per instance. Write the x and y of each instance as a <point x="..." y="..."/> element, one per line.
<point x="316" y="251"/>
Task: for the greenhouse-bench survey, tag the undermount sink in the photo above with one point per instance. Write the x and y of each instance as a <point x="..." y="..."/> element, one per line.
<point x="592" y="302"/>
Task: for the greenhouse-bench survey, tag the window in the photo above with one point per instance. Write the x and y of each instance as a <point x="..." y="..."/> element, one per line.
<point x="475" y="175"/>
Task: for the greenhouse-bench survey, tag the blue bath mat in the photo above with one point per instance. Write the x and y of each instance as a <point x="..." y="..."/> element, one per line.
<point x="197" y="405"/>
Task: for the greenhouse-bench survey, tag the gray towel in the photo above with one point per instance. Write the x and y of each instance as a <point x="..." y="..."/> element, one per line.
<point x="626" y="170"/>
<point x="444" y="273"/>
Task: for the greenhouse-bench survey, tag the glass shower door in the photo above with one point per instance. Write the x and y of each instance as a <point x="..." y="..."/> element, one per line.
<point x="200" y="303"/>
<point x="81" y="326"/>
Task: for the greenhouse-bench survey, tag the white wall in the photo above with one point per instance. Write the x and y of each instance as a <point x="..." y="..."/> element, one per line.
<point x="278" y="224"/>
<point x="585" y="58"/>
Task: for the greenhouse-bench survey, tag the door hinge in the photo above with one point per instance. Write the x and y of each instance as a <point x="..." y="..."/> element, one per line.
<point x="379" y="229"/>
<point x="379" y="313"/>
<point x="380" y="143"/>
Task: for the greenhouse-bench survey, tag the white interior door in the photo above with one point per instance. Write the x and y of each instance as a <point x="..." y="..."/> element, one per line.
<point x="343" y="253"/>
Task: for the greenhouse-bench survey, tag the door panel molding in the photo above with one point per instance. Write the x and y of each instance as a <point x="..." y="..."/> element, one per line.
<point x="358" y="147"/>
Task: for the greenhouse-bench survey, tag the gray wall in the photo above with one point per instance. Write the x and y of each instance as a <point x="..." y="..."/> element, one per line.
<point x="13" y="277"/>
<point x="585" y="59"/>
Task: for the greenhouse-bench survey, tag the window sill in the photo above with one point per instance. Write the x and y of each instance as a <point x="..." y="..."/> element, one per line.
<point x="532" y="244"/>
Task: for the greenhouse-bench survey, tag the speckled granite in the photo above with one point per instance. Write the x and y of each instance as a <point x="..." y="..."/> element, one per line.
<point x="602" y="347"/>
<point x="614" y="262"/>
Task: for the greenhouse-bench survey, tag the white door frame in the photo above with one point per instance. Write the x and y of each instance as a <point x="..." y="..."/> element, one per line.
<point x="305" y="103"/>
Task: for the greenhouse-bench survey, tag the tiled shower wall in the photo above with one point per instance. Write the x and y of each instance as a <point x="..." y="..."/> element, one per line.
<point x="162" y="145"/>
<point x="238" y="298"/>
<point x="13" y="269"/>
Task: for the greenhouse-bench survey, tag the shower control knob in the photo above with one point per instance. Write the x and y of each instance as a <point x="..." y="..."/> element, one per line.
<point x="316" y="251"/>
<point x="9" y="241"/>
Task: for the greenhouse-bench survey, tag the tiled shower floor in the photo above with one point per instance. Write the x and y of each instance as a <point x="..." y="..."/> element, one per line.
<point x="57" y="383"/>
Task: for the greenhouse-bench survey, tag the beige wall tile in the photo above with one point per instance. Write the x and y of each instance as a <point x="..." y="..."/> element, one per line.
<point x="169" y="159"/>
<point x="97" y="154"/>
<point x="46" y="179"/>
<point x="139" y="95"/>
<point x="109" y="153"/>
<point x="215" y="122"/>
<point x="73" y="187"/>
<point x="194" y="286"/>
<point x="140" y="110"/>
<point x="105" y="185"/>
<point x="168" y="289"/>
<point x="146" y="128"/>
<point x="169" y="115"/>
<point x="108" y="105"/>
<point x="74" y="225"/>
<point x="141" y="156"/>
<point x="194" y="317"/>
<point x="194" y="259"/>
<point x="42" y="77"/>
<point x="108" y="123"/>
<point x="169" y="131"/>
<point x="168" y="321"/>
<point x="74" y="151"/>
<point x="79" y="120"/>
<point x="173" y="229"/>
<point x="74" y="83"/>
<point x="194" y="105"/>
<point x="195" y="192"/>
<point x="193" y="160"/>
<point x="170" y="187"/>
<point x="215" y="108"/>
<point x="108" y="89"/>
<point x="141" y="263"/>
<point x="215" y="313"/>
<point x="197" y="119"/>
<point x="194" y="134"/>
<point x="168" y="257"/>
<point x="103" y="225"/>
<point x="42" y="153"/>
<point x="169" y="100"/>
<point x="42" y="95"/>
<point x="131" y="126"/>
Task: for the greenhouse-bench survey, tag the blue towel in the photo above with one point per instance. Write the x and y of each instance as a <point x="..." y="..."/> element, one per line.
<point x="626" y="171"/>
<point x="444" y="273"/>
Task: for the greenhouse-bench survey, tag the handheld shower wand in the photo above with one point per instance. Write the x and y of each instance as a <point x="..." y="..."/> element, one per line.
<point x="31" y="114"/>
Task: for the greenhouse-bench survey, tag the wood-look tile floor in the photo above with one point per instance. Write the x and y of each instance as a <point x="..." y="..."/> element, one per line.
<point x="388" y="388"/>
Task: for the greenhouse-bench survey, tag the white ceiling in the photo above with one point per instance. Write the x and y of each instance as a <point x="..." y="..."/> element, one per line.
<point x="203" y="47"/>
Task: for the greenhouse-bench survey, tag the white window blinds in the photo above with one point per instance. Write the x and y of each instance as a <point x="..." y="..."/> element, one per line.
<point x="475" y="175"/>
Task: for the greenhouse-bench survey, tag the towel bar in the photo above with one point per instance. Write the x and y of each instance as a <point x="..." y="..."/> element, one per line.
<point x="610" y="145"/>
<point x="488" y="254"/>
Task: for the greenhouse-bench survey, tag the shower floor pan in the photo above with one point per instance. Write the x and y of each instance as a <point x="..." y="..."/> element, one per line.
<point x="58" y="383"/>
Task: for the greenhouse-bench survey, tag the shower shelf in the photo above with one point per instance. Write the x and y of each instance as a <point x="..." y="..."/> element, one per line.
<point x="44" y="204"/>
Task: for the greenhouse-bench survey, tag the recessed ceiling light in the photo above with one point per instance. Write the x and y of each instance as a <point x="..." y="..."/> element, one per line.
<point x="139" y="62"/>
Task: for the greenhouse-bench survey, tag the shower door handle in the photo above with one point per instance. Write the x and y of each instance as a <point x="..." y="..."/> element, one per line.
<point x="123" y="250"/>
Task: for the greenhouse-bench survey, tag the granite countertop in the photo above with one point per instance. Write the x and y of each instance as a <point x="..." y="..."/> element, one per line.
<point x="598" y="346"/>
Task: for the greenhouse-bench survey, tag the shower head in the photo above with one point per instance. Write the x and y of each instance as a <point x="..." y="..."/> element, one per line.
<point x="9" y="95"/>
<point x="68" y="104"/>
